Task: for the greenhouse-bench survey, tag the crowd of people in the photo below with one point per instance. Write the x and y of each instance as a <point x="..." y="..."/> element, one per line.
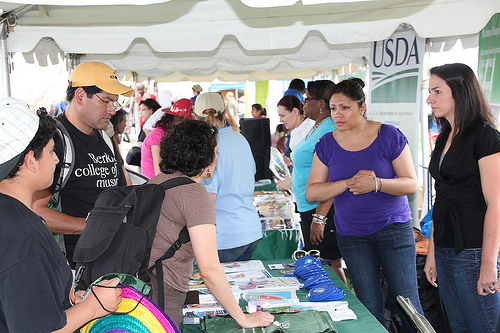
<point x="350" y="178"/>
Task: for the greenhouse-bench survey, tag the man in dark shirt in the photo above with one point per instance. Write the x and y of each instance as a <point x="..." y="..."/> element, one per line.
<point x="92" y="99"/>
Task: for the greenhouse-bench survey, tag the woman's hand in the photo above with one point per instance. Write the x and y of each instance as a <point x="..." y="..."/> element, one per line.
<point x="109" y="296"/>
<point x="488" y="278"/>
<point x="287" y="160"/>
<point x="430" y="269"/>
<point x="281" y="144"/>
<point x="257" y="319"/>
<point x="361" y="183"/>
<point x="284" y="184"/>
<point x="317" y="233"/>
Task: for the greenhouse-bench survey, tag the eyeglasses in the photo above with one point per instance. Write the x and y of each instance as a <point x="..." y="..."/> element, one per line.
<point x="114" y="107"/>
<point x="302" y="253"/>
<point x="308" y="99"/>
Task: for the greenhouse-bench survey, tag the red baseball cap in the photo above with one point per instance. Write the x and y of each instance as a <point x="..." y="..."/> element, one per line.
<point x="182" y="108"/>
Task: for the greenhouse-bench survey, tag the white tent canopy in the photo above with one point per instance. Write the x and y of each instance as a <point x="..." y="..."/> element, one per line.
<point x="232" y="39"/>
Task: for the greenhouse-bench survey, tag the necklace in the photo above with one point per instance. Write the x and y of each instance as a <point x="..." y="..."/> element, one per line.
<point x="314" y="128"/>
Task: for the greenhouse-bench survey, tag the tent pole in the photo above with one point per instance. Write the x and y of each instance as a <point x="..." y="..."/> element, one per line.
<point x="5" y="60"/>
<point x="9" y="20"/>
<point x="136" y="104"/>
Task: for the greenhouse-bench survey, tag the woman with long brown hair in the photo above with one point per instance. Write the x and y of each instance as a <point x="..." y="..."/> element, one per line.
<point x="464" y="247"/>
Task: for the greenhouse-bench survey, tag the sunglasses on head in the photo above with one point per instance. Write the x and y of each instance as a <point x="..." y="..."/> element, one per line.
<point x="302" y="253"/>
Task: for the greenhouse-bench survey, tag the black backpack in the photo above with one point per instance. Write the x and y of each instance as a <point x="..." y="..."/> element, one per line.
<point x="119" y="234"/>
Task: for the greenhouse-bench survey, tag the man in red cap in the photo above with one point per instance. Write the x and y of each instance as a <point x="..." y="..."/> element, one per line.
<point x="92" y="96"/>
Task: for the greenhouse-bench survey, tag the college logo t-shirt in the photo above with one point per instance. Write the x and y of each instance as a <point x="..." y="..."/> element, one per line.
<point x="96" y="168"/>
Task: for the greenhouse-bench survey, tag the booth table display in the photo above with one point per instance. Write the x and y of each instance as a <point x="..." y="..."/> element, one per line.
<point x="365" y="321"/>
<point x="279" y="237"/>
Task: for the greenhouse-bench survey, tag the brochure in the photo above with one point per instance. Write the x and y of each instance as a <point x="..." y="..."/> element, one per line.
<point x="277" y="165"/>
<point x="270" y="297"/>
<point x="281" y="266"/>
<point x="272" y="284"/>
<point x="194" y="312"/>
<point x="248" y="276"/>
<point x="243" y="266"/>
<point x="198" y="308"/>
<point x="205" y="296"/>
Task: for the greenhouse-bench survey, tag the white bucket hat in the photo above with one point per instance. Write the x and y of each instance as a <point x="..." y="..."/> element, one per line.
<point x="18" y="126"/>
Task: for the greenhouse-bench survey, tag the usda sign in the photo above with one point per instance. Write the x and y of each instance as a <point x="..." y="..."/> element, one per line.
<point x="395" y="68"/>
<point x="395" y="89"/>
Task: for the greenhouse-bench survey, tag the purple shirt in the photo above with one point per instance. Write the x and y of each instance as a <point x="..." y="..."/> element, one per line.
<point x="360" y="215"/>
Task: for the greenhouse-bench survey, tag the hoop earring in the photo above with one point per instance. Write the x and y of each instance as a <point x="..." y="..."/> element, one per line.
<point x="320" y="111"/>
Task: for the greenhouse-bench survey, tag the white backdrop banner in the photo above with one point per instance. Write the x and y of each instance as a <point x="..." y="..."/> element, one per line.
<point x="396" y="66"/>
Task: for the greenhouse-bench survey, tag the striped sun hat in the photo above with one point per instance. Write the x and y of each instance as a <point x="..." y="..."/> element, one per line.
<point x="136" y="314"/>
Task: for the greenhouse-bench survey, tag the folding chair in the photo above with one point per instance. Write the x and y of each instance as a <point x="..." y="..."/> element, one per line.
<point x="420" y="322"/>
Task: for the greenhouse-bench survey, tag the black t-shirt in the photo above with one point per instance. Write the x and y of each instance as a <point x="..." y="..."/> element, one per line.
<point x="35" y="278"/>
<point x="96" y="168"/>
<point x="460" y="207"/>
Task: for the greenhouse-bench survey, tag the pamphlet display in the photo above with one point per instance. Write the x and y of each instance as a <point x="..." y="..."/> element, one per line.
<point x="254" y="286"/>
<point x="275" y="211"/>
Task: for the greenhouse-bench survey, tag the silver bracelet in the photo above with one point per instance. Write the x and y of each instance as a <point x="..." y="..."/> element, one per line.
<point x="319" y="219"/>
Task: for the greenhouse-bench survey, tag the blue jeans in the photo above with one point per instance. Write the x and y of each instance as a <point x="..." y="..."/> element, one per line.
<point x="457" y="276"/>
<point x="391" y="249"/>
<point x="240" y="253"/>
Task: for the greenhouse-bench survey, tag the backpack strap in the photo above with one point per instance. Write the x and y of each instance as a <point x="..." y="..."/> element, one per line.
<point x="174" y="182"/>
<point x="183" y="238"/>
<point x="158" y="266"/>
<point x="67" y="163"/>
<point x="108" y="141"/>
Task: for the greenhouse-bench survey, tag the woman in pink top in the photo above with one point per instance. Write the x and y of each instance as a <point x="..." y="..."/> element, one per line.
<point x="150" y="151"/>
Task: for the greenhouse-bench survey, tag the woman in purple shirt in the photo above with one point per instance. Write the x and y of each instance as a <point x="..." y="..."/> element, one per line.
<point x="366" y="167"/>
